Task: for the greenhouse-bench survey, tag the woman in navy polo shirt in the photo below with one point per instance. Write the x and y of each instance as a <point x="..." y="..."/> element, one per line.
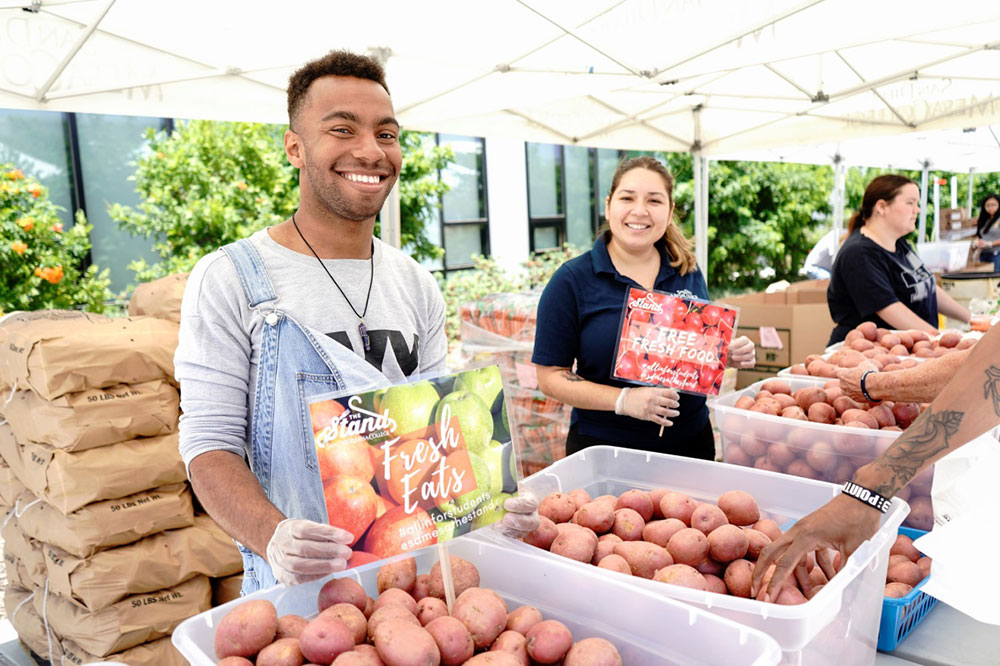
<point x="877" y="276"/>
<point x="579" y="313"/>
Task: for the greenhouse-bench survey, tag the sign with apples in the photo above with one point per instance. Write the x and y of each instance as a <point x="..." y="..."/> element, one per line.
<point x="680" y="343"/>
<point x="417" y="463"/>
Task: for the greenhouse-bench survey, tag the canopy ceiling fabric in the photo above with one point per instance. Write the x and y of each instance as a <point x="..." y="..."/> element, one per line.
<point x="719" y="76"/>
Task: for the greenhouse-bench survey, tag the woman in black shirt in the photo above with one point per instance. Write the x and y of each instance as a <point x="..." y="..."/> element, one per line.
<point x="988" y="231"/>
<point x="877" y="276"/>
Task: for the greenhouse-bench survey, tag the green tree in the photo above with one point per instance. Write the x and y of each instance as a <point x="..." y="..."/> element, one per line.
<point x="207" y="183"/>
<point x="41" y="265"/>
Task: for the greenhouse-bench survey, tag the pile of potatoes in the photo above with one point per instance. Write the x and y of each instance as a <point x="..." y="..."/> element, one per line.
<point x="666" y="536"/>
<point x="408" y="624"/>
<point x="907" y="567"/>
<point x="888" y="350"/>
<point x="826" y="454"/>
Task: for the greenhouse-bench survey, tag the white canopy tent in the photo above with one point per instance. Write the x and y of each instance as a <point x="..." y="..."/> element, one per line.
<point x="710" y="77"/>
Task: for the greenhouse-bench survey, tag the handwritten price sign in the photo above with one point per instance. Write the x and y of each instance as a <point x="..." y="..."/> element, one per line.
<point x="675" y="342"/>
<point x="417" y="463"/>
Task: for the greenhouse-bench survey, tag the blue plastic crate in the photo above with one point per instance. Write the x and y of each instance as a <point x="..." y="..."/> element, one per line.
<point x="901" y="616"/>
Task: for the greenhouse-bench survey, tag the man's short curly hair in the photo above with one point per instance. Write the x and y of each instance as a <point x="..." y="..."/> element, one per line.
<point x="334" y="63"/>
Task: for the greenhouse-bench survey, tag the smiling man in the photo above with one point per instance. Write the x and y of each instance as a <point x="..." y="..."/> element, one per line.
<point x="314" y="305"/>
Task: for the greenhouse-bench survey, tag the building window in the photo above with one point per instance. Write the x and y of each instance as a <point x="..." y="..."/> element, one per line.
<point x="464" y="223"/>
<point x="38" y="143"/>
<point x="546" y="196"/>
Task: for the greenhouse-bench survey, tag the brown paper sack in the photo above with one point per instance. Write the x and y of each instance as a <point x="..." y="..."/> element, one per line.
<point x="154" y="563"/>
<point x="129" y="622"/>
<point x="10" y="486"/>
<point x="55" y="352"/>
<point x="226" y="589"/>
<point x="160" y="652"/>
<point x="22" y="555"/>
<point x="69" y="480"/>
<point x="17" y="601"/>
<point x="95" y="417"/>
<point x="107" y="524"/>
<point x="159" y="298"/>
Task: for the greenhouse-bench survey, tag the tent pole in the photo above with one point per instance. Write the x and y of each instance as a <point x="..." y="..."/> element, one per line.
<point x="839" y="170"/>
<point x="937" y="210"/>
<point x="704" y="214"/>
<point x="81" y="39"/>
<point x="972" y="184"/>
<point x="922" y="227"/>
<point x="390" y="228"/>
<point x="700" y="230"/>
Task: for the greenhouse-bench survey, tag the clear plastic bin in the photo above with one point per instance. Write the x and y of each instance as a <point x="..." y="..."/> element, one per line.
<point x="944" y="255"/>
<point x="837" y="627"/>
<point x="648" y="629"/>
<point x="780" y="444"/>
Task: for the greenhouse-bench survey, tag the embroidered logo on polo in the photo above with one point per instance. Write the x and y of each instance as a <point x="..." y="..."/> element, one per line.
<point x="407" y="357"/>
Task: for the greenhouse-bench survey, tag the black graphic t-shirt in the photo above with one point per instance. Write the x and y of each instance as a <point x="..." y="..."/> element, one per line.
<point x="867" y="277"/>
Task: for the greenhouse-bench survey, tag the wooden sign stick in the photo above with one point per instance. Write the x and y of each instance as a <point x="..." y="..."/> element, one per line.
<point x="446" y="579"/>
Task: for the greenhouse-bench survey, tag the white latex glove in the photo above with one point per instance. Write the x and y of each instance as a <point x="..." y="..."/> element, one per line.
<point x="301" y="550"/>
<point x="742" y="353"/>
<point x="649" y="404"/>
<point x="521" y="517"/>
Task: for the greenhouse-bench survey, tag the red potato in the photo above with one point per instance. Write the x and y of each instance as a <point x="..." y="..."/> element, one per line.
<point x="593" y="652"/>
<point x="369" y="608"/>
<point x="861" y="345"/>
<point x="822" y="457"/>
<point x="680" y="506"/>
<point x="883" y="416"/>
<point x="282" y="652"/>
<point x="715" y="584"/>
<point x="235" y="661"/>
<point x="611" y="499"/>
<point x="844" y="403"/>
<point x="739" y="507"/>
<point x="453" y="640"/>
<point x="921" y="514"/>
<point x="890" y="340"/>
<point x="868" y="329"/>
<point x="776" y="386"/>
<point x="821" y="412"/>
<point x="727" y="543"/>
<point x="966" y="343"/>
<point x="557" y="507"/>
<point x="342" y="590"/>
<point x="660" y="531"/>
<point x="710" y="567"/>
<point x="905" y="413"/>
<point x="548" y="641"/>
<point x="523" y="618"/>
<point x="387" y="613"/>
<point x="430" y="609"/>
<point x="498" y="658"/>
<point x="655" y="495"/>
<point x="764" y="464"/>
<point x="813" y="357"/>
<point x="756" y="542"/>
<point x="859" y="415"/>
<point x="615" y="562"/>
<point x="464" y="575"/>
<point x="706" y="517"/>
<point x="950" y="339"/>
<point x="628" y="524"/>
<point x="683" y="575"/>
<point x="904" y="546"/>
<point x="396" y="597"/>
<point x="923" y="352"/>
<point x="515" y="644"/>
<point x="605" y="546"/>
<point x="421" y="585"/>
<point x="290" y="626"/>
<point x="769" y="528"/>
<point x="905" y="572"/>
<point x="790" y="596"/>
<point x="897" y="590"/>
<point x="794" y="412"/>
<point x="325" y="637"/>
<point x="543" y="536"/>
<point x="785" y="401"/>
<point x="833" y="393"/>
<point x="575" y="542"/>
<point x="751" y="446"/>
<point x="800" y="467"/>
<point x="820" y="368"/>
<point x="766" y="406"/>
<point x="896" y="559"/>
<point x="846" y="358"/>
<point x="808" y="396"/>
<point x="738" y="578"/>
<point x="643" y="558"/>
<point x="246" y="629"/>
<point x="637" y="500"/>
<point x="780" y="454"/>
<point x="899" y="350"/>
<point x="483" y="613"/>
<point x="401" y="574"/>
<point x="798" y="369"/>
<point x="580" y="497"/>
<point x="688" y="546"/>
<point x="352" y="618"/>
<point x="925" y="565"/>
<point x="763" y="394"/>
<point x="402" y="644"/>
<point x="598" y="516"/>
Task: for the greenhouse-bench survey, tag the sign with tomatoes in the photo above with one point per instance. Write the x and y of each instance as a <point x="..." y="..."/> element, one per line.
<point x="415" y="464"/>
<point x="680" y="343"/>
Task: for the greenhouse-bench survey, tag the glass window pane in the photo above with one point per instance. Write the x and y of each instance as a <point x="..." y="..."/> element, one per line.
<point x="544" y="179"/>
<point x="109" y="147"/>
<point x="579" y="218"/>
<point x="35" y="142"/>
<point x="546" y="238"/>
<point x="607" y="162"/>
<point x="464" y="201"/>
<point x="461" y="243"/>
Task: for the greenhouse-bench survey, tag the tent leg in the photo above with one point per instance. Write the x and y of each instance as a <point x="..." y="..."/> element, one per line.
<point x="972" y="184"/>
<point x="390" y="228"/>
<point x="922" y="226"/>
<point x="839" y="194"/>
<point x="701" y="212"/>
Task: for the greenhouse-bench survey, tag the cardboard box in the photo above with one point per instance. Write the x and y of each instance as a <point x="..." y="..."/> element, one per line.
<point x="799" y="315"/>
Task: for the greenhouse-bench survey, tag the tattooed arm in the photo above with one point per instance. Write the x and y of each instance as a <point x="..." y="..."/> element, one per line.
<point x="967" y="407"/>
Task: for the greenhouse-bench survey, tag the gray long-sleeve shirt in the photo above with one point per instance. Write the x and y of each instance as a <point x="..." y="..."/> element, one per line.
<point x="217" y="352"/>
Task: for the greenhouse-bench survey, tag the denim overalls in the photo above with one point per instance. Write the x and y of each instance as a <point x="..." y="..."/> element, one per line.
<point x="295" y="364"/>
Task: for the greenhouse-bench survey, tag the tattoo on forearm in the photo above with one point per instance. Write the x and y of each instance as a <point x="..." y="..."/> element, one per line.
<point x="992" y="387"/>
<point x="927" y="437"/>
<point x="572" y="376"/>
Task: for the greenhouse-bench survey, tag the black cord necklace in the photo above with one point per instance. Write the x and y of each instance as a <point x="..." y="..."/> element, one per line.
<point x="371" y="278"/>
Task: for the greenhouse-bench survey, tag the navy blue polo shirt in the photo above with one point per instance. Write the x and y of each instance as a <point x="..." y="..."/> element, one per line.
<point x="578" y="318"/>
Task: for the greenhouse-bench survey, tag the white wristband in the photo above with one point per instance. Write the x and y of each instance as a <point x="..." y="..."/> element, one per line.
<point x="620" y="402"/>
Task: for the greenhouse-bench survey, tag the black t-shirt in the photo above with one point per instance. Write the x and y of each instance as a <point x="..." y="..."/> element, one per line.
<point x="867" y="277"/>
